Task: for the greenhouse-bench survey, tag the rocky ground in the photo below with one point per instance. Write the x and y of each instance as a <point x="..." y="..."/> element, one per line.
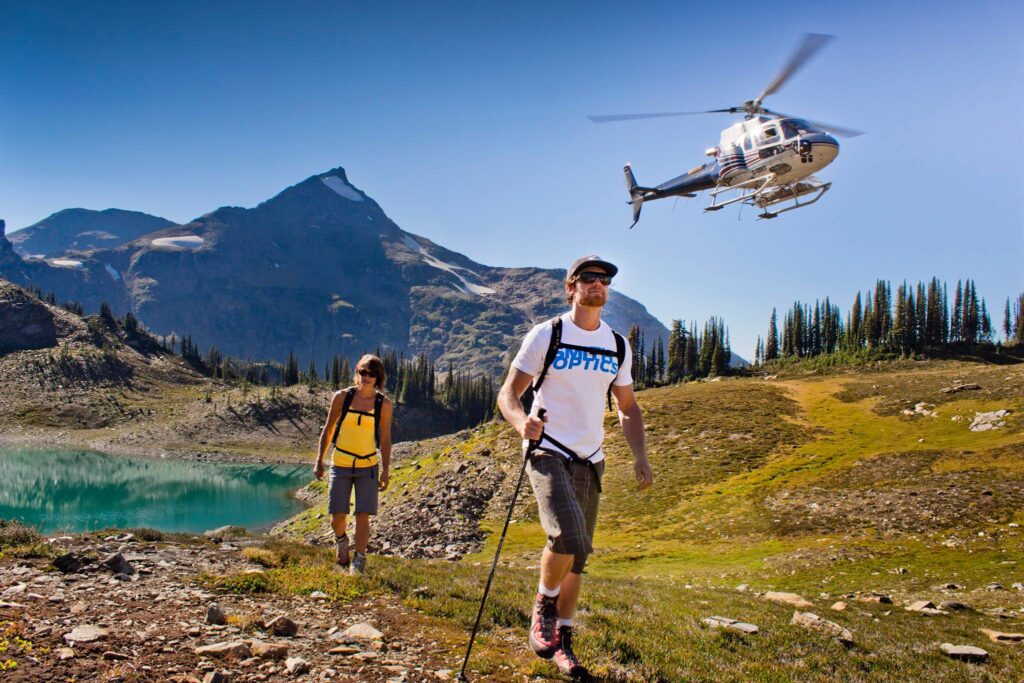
<point x="123" y="609"/>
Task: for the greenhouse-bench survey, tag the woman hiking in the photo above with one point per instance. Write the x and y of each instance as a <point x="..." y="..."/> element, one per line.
<point x="358" y="424"/>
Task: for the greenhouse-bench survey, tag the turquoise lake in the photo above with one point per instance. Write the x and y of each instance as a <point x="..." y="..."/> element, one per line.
<point x="85" y="491"/>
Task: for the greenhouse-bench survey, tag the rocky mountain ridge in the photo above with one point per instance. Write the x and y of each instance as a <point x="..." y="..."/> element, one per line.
<point x="83" y="230"/>
<point x="318" y="270"/>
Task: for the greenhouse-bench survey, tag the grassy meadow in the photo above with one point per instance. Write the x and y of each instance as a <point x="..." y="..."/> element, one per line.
<point x="812" y="483"/>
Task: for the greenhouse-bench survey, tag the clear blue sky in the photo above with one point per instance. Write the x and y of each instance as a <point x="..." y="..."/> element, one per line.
<point x="466" y="122"/>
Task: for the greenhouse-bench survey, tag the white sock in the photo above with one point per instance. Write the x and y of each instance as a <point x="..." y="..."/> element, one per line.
<point x="565" y="622"/>
<point x="548" y="592"/>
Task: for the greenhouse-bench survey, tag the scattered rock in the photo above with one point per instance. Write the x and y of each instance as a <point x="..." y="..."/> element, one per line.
<point x="65" y="653"/>
<point x="116" y="563"/>
<point x="816" y="623"/>
<point x="922" y="408"/>
<point x="265" y="650"/>
<point x="791" y="599"/>
<point x="360" y="631"/>
<point x="994" y="587"/>
<point x="69" y="563"/>
<point x="953" y="606"/>
<point x="925" y="607"/>
<point x="216" y="677"/>
<point x="992" y="420"/>
<point x="86" y="634"/>
<point x="1000" y="637"/>
<point x="236" y="649"/>
<point x="875" y="597"/>
<point x="112" y="656"/>
<point x="966" y="653"/>
<point x="296" y="666"/>
<point x="215" y="615"/>
<point x="730" y="624"/>
<point x="838" y="606"/>
<point x="960" y="387"/>
<point x="282" y="626"/>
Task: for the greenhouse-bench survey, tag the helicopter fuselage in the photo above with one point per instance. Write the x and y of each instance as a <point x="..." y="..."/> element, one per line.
<point x="787" y="149"/>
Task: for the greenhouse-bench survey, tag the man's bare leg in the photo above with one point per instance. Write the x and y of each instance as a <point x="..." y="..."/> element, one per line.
<point x="553" y="569"/>
<point x="569" y="594"/>
<point x="362" y="531"/>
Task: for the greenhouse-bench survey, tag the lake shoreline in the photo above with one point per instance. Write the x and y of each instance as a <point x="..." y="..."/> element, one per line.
<point x="63" y="440"/>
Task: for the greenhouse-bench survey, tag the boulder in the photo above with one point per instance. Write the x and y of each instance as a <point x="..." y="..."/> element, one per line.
<point x="925" y="607"/>
<point x="816" y="623"/>
<point x="282" y="626"/>
<point x="235" y="649"/>
<point x="966" y="653"/>
<point x="296" y="666"/>
<point x="265" y="650"/>
<point x="730" y="624"/>
<point x="360" y="631"/>
<point x="116" y="563"/>
<point x="215" y="615"/>
<point x="86" y="634"/>
<point x="791" y="599"/>
<point x="1000" y="637"/>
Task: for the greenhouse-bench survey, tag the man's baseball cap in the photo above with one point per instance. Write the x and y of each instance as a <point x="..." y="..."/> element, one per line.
<point x="592" y="260"/>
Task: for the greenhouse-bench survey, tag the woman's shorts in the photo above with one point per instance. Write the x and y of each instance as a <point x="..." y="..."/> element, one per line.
<point x="343" y="480"/>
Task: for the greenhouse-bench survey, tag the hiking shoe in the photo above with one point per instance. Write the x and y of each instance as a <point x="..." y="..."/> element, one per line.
<point x="341" y="557"/>
<point x="358" y="564"/>
<point x="565" y="658"/>
<point x="543" y="631"/>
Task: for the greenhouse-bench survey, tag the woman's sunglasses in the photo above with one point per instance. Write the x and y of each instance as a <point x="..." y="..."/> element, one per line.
<point x="363" y="372"/>
<point x="589" y="278"/>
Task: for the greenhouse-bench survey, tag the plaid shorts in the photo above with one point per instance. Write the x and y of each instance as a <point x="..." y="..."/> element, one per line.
<point x="568" y="493"/>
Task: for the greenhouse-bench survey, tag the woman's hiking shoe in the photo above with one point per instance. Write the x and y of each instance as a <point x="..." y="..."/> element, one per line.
<point x="565" y="658"/>
<point x="341" y="557"/>
<point x="543" y="630"/>
<point x="358" y="564"/>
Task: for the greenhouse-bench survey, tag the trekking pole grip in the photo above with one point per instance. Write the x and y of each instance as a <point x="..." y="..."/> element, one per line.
<point x="535" y="443"/>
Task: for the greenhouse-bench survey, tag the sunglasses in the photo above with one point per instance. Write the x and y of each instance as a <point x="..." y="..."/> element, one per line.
<point x="589" y="278"/>
<point x="363" y="372"/>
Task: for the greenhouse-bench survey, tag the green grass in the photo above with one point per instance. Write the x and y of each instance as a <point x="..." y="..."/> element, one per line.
<point x="820" y="486"/>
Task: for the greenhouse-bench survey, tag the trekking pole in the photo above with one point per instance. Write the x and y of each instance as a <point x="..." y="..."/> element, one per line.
<point x="508" y="518"/>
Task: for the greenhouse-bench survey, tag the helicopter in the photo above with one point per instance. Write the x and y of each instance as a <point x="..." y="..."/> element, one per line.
<point x="768" y="158"/>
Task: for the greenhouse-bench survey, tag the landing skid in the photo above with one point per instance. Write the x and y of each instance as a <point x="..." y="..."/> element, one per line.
<point x="811" y="186"/>
<point x="761" y="192"/>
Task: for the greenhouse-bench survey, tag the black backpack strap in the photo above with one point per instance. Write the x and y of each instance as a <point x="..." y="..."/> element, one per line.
<point x="345" y="405"/>
<point x="620" y="353"/>
<point x="549" y="357"/>
<point x="378" y="402"/>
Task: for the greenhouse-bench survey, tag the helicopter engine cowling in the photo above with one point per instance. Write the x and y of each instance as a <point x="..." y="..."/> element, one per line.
<point x="731" y="161"/>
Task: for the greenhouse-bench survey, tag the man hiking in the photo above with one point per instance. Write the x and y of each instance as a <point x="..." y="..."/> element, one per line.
<point x="574" y="359"/>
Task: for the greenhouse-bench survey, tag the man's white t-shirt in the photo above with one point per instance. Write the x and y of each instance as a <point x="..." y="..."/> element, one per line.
<point x="573" y="392"/>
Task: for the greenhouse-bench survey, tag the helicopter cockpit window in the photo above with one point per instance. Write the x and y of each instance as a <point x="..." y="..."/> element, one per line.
<point x="768" y="135"/>
<point x="796" y="127"/>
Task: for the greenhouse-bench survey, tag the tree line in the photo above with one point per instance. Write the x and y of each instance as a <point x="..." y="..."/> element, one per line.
<point x="689" y="356"/>
<point x="917" y="320"/>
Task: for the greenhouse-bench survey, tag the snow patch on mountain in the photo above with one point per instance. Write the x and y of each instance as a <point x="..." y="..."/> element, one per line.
<point x="113" y="272"/>
<point x="342" y="188"/>
<point x="178" y="242"/>
<point x="467" y="286"/>
<point x="67" y="263"/>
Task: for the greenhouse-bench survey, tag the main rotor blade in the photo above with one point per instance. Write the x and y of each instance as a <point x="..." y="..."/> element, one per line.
<point x="633" y="117"/>
<point x="812" y="42"/>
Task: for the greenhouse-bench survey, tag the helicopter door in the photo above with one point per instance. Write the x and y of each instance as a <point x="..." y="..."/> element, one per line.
<point x="768" y="140"/>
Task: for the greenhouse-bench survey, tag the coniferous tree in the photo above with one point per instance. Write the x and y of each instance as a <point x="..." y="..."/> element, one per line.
<point x="1018" y="328"/>
<point x="771" y="344"/>
<point x="291" y="370"/>
<point x="956" y="332"/>
<point x="676" y="352"/>
<point x="346" y="372"/>
<point x="1007" y="321"/>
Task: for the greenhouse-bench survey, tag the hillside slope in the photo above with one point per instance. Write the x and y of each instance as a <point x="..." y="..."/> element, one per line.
<point x="835" y="487"/>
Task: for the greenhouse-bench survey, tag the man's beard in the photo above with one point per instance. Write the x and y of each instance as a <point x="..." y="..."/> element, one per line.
<point x="594" y="299"/>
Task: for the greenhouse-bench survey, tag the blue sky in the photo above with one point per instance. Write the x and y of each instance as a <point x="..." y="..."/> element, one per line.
<point x="467" y="123"/>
